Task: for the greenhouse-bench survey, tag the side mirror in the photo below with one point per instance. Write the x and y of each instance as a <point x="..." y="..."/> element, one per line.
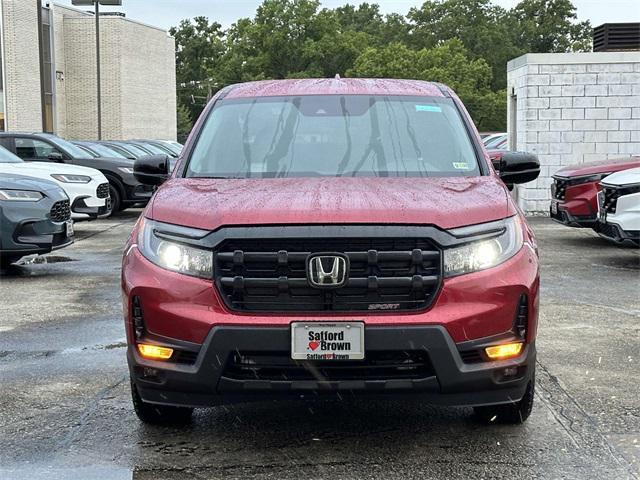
<point x="518" y="167"/>
<point x="55" y="156"/>
<point x="152" y="169"/>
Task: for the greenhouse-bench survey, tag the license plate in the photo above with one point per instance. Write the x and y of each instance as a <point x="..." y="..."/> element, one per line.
<point x="69" y="226"/>
<point x="327" y="341"/>
<point x="554" y="207"/>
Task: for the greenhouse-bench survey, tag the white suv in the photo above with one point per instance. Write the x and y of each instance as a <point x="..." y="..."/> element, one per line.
<point x="87" y="188"/>
<point x="619" y="207"/>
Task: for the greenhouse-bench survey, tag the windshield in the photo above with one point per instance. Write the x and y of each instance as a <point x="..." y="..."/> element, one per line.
<point x="152" y="148"/>
<point x="7" y="157"/>
<point x="104" y="151"/>
<point x="133" y="149"/>
<point x="73" y="150"/>
<point x="331" y="135"/>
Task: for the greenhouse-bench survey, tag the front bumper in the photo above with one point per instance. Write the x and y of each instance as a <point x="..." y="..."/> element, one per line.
<point x="30" y="236"/>
<point x="614" y="233"/>
<point x="210" y="381"/>
<point x="565" y="217"/>
<point x="80" y="206"/>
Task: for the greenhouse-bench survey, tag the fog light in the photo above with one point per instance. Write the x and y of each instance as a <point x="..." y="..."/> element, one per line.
<point x="501" y="352"/>
<point x="154" y="352"/>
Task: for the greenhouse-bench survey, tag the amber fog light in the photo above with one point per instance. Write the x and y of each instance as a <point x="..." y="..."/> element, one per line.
<point x="155" y="352"/>
<point x="502" y="352"/>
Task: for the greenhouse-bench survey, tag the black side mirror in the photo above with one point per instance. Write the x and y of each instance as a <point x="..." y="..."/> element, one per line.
<point x="55" y="156"/>
<point x="152" y="169"/>
<point x="518" y="167"/>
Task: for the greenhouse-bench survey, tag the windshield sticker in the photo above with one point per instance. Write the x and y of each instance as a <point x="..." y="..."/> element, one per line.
<point x="461" y="165"/>
<point x="428" y="108"/>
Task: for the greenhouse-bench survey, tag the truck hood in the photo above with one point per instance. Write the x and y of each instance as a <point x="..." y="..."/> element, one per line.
<point x="626" y="177"/>
<point x="600" y="166"/>
<point x="45" y="169"/>
<point x="446" y="202"/>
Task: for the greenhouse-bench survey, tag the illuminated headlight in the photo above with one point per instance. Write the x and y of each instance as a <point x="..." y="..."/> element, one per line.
<point x="20" y="195"/>
<point x="174" y="256"/>
<point x="486" y="253"/>
<point x="65" y="178"/>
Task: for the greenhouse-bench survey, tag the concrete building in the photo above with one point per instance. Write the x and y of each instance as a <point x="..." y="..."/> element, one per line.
<point x="48" y="81"/>
<point x="572" y="108"/>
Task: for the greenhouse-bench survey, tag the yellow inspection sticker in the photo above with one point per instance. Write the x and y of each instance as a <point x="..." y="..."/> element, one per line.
<point x="461" y="165"/>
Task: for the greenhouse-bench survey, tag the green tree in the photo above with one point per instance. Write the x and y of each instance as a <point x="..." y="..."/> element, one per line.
<point x="548" y="26"/>
<point x="449" y="63"/>
<point x="184" y="122"/>
<point x="483" y="28"/>
<point x="199" y="51"/>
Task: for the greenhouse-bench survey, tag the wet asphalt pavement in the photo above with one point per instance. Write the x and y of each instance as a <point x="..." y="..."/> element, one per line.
<point x="65" y="411"/>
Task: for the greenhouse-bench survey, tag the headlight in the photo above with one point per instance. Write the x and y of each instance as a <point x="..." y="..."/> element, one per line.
<point x="487" y="253"/>
<point x="174" y="256"/>
<point x="66" y="178"/>
<point x="20" y="195"/>
<point x="126" y="169"/>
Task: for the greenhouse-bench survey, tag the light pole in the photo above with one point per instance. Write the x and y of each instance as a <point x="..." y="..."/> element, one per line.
<point x="97" y="3"/>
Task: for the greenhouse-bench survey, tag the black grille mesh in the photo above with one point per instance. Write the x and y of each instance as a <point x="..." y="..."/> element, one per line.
<point x="61" y="211"/>
<point x="103" y="190"/>
<point x="269" y="275"/>
<point x="378" y="365"/>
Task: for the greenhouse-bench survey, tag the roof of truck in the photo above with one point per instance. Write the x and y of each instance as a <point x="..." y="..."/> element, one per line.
<point x="336" y="86"/>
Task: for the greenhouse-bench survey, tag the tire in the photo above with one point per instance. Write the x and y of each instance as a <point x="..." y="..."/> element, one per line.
<point x="158" y="414"/>
<point x="6" y="261"/>
<point x="116" y="200"/>
<point x="514" y="413"/>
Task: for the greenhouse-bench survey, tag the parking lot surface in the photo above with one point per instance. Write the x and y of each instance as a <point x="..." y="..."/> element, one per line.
<point x="65" y="410"/>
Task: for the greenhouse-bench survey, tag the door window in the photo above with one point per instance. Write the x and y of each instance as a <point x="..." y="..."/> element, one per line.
<point x="28" y="148"/>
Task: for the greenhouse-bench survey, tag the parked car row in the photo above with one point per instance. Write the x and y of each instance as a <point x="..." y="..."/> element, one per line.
<point x="604" y="196"/>
<point x="95" y="178"/>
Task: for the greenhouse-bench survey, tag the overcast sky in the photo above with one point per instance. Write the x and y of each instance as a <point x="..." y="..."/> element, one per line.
<point x="167" y="13"/>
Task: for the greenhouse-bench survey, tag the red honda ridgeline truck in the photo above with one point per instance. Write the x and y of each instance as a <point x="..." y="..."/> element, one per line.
<point x="335" y="236"/>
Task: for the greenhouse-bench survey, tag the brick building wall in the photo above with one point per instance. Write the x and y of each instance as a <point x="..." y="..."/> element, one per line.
<point x="569" y="109"/>
<point x="137" y="78"/>
<point x="137" y="70"/>
<point x="21" y="65"/>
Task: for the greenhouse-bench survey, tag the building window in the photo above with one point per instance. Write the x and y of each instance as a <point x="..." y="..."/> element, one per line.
<point x="46" y="69"/>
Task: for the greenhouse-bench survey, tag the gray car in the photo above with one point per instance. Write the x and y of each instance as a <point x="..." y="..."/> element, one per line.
<point x="35" y="217"/>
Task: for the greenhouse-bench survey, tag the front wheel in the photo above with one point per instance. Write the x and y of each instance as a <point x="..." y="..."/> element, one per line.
<point x="159" y="414"/>
<point x="511" y="413"/>
<point x="116" y="201"/>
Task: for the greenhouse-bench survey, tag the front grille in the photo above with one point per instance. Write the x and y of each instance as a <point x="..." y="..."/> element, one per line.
<point x="61" y="211"/>
<point x="278" y="366"/>
<point x="103" y="190"/>
<point x="269" y="275"/>
<point x="560" y="188"/>
<point x="610" y="199"/>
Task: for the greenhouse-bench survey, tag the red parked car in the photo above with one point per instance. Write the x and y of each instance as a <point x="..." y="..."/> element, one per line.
<point x="332" y="237"/>
<point x="574" y="192"/>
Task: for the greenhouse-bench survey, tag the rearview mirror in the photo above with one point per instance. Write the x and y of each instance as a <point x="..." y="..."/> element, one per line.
<point x="518" y="167"/>
<point x="152" y="169"/>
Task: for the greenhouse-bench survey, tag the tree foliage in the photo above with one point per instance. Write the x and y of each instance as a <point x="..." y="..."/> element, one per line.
<point x="462" y="43"/>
